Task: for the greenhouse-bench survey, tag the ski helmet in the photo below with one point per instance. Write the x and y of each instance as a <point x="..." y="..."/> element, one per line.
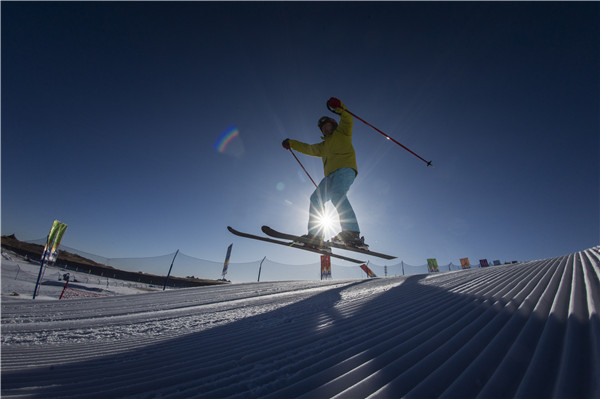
<point x="326" y="119"/>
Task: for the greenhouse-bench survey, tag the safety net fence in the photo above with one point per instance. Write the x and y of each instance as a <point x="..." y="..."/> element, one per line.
<point x="259" y="270"/>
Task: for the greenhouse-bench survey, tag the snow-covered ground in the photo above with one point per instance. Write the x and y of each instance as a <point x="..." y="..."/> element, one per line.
<point x="515" y="330"/>
<point x="19" y="277"/>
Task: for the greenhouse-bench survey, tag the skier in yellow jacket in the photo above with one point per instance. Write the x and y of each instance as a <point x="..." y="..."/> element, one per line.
<point x="339" y="165"/>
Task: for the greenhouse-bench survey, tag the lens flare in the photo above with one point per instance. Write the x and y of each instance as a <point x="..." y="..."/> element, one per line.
<point x="230" y="143"/>
<point x="225" y="138"/>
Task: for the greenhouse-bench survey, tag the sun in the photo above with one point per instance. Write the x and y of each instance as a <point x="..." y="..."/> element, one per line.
<point x="327" y="223"/>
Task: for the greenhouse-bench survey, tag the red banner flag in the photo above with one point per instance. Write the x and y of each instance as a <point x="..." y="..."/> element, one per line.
<point x="368" y="271"/>
<point x="325" y="267"/>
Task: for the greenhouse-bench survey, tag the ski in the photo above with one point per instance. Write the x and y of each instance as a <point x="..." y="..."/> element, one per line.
<point x="292" y="244"/>
<point x="274" y="233"/>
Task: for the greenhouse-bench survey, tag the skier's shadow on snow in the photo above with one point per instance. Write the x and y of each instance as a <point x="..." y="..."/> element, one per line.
<point x="250" y="357"/>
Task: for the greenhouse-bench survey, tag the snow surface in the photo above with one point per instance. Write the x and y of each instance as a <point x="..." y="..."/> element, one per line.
<point x="528" y="329"/>
<point x="19" y="277"/>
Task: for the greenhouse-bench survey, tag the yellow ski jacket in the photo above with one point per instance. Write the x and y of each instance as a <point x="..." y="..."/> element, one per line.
<point x="336" y="150"/>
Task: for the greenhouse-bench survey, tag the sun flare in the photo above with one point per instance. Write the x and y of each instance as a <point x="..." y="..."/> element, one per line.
<point x="327" y="223"/>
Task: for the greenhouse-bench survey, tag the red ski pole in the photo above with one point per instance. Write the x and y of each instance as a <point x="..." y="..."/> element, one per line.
<point x="64" y="289"/>
<point x="388" y="137"/>
<point x="311" y="179"/>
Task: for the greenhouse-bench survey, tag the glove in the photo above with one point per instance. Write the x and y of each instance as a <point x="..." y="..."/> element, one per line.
<point x="334" y="103"/>
<point x="286" y="144"/>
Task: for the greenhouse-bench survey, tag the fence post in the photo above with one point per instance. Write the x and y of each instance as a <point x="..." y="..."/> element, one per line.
<point x="170" y="268"/>
<point x="260" y="268"/>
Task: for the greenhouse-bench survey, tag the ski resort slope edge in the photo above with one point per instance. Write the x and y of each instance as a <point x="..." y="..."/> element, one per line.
<point x="523" y="330"/>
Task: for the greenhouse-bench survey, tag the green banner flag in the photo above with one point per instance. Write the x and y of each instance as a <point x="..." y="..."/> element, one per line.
<point x="56" y="233"/>
<point x="50" y="250"/>
<point x="432" y="264"/>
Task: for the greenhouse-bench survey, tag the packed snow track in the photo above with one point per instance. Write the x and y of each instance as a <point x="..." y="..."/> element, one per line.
<point x="527" y="330"/>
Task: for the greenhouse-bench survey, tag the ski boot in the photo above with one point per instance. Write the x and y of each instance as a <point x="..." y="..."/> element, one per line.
<point x="317" y="242"/>
<point x="350" y="239"/>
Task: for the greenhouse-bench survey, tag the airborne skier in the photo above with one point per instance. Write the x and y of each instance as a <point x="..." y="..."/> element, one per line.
<point x="339" y="165"/>
<point x="340" y="170"/>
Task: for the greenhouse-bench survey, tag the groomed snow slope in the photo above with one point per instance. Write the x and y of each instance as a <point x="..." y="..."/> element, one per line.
<point x="524" y="330"/>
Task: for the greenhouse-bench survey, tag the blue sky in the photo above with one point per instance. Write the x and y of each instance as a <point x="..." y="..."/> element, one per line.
<point x="110" y="112"/>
